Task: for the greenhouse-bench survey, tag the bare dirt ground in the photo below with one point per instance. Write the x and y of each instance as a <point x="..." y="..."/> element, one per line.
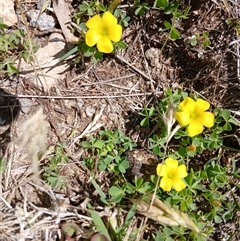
<point x="114" y="90"/>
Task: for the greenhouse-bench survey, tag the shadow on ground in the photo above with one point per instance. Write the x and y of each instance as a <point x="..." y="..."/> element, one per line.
<point x="9" y="111"/>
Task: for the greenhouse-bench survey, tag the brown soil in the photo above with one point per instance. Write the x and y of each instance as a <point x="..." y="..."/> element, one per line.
<point x="120" y="85"/>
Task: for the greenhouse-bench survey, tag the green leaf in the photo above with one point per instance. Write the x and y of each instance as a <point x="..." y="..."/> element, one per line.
<point x="151" y="111"/>
<point x="70" y="229"/>
<point x="100" y="226"/>
<point x="82" y="27"/>
<point x="233" y="121"/>
<point x="35" y="48"/>
<point x="129" y="188"/>
<point x="55" y="180"/>
<point x="97" y="57"/>
<point x="167" y="25"/>
<point x="98" y="144"/>
<point x="83" y="7"/>
<point x="99" y="190"/>
<point x="101" y="7"/>
<point x="121" y="45"/>
<point x="171" y="8"/>
<point x="206" y="43"/>
<point x="138" y="182"/>
<point x="174" y="33"/>
<point x="102" y="166"/>
<point x="227" y="127"/>
<point x="116" y="193"/>
<point x="144" y="122"/>
<point x="193" y="41"/>
<point x="162" y="3"/>
<point x="3" y="165"/>
<point x="69" y="53"/>
<point x="130" y="216"/>
<point x="88" y="51"/>
<point x="141" y="8"/>
<point x="90" y="11"/>
<point x="11" y="69"/>
<point x="86" y="144"/>
<point x="3" y="26"/>
<point x="217" y="219"/>
<point x="225" y="114"/>
<point x="123" y="166"/>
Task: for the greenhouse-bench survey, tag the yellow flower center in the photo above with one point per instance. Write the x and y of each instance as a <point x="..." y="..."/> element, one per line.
<point x="193" y="116"/>
<point x="171" y="173"/>
<point x="104" y="31"/>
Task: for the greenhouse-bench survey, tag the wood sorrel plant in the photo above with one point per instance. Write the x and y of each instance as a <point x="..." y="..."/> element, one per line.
<point x="175" y="193"/>
<point x="100" y="29"/>
<point x="174" y="142"/>
<point x="193" y="114"/>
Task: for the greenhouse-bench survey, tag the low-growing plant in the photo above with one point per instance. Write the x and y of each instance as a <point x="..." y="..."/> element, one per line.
<point x="13" y="46"/>
<point x="52" y="173"/>
<point x="141" y="8"/>
<point x="114" y="228"/>
<point x="202" y="39"/>
<point x="92" y="42"/>
<point x="171" y="8"/>
<point x="107" y="151"/>
<point x="184" y="126"/>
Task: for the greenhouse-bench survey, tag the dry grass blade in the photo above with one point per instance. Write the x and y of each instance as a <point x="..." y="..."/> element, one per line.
<point x="34" y="136"/>
<point x="92" y="126"/>
<point x="164" y="214"/>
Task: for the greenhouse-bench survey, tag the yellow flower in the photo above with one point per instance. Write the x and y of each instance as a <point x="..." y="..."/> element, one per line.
<point x="172" y="175"/>
<point x="102" y="31"/>
<point x="194" y="115"/>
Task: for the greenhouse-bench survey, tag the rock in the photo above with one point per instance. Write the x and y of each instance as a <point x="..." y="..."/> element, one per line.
<point x="26" y="104"/>
<point x="90" y="112"/>
<point x="80" y="104"/>
<point x="43" y="22"/>
<point x="7" y="12"/>
<point x="48" y="60"/>
<point x="55" y="37"/>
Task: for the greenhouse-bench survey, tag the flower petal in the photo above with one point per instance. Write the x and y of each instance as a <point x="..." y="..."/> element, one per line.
<point x="178" y="184"/>
<point x="182" y="118"/>
<point x="171" y="163"/>
<point x="182" y="171"/>
<point x="201" y="106"/>
<point x="187" y="105"/>
<point x="115" y="33"/>
<point x="166" y="184"/>
<point x="195" y="127"/>
<point x="94" y="23"/>
<point x="92" y="37"/>
<point x="161" y="170"/>
<point x="104" y="45"/>
<point x="206" y="118"/>
<point x="109" y="19"/>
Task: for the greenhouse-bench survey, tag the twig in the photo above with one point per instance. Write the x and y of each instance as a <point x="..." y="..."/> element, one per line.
<point x="109" y="80"/>
<point x="135" y="69"/>
<point x="79" y="97"/>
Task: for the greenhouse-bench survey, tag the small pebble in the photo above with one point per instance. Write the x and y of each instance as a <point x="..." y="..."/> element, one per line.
<point x="26" y="105"/>
<point x="2" y="121"/>
<point x="90" y="112"/>
<point x="80" y="105"/>
<point x="130" y="84"/>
